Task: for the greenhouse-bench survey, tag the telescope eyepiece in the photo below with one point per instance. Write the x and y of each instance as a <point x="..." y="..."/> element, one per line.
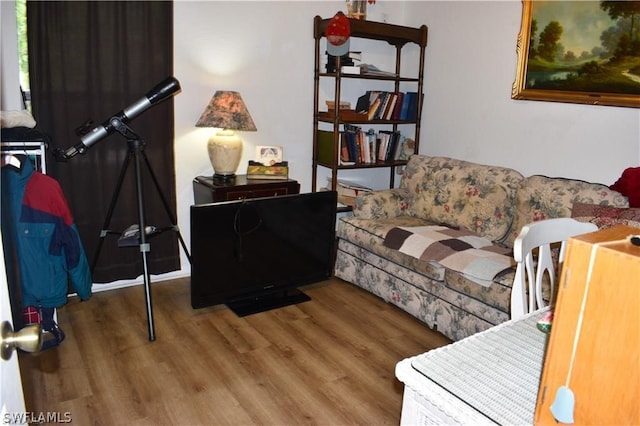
<point x="163" y="90"/>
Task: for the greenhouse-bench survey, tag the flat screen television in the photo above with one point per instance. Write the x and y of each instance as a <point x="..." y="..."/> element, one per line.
<point x="251" y="254"/>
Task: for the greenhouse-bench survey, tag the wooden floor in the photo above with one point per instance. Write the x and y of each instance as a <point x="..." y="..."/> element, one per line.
<point x="329" y="361"/>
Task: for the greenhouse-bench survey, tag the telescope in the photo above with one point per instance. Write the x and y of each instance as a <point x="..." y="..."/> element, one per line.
<point x="136" y="154"/>
<point x="160" y="92"/>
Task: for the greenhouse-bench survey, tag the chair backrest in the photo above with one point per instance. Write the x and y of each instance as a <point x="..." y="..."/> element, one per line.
<point x="529" y="273"/>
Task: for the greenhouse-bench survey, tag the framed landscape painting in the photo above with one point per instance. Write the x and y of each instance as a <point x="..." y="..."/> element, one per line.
<point x="585" y="52"/>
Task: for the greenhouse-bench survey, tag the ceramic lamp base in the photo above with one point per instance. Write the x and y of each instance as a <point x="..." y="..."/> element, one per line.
<point x="225" y="152"/>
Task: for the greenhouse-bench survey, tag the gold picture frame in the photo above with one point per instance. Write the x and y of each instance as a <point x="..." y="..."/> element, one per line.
<point x="606" y="74"/>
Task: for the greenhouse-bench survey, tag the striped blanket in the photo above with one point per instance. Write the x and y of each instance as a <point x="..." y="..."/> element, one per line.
<point x="457" y="249"/>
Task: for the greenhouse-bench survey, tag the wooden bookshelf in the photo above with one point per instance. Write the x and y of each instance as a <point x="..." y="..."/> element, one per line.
<point x="394" y="35"/>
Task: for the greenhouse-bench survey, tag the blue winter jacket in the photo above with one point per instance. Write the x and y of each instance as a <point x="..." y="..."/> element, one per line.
<point x="41" y="239"/>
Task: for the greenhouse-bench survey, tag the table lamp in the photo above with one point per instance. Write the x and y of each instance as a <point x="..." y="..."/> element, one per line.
<point x="226" y="111"/>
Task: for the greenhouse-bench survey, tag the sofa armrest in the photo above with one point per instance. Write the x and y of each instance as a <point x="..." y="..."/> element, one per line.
<point x="382" y="204"/>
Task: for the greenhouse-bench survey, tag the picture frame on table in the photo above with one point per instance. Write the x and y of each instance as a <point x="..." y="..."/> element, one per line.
<point x="268" y="155"/>
<point x="585" y="52"/>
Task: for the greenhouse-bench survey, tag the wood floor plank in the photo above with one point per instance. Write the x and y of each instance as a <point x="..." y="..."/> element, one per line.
<point x="330" y="360"/>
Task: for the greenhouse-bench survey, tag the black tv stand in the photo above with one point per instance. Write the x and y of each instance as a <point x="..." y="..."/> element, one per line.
<point x="267" y="301"/>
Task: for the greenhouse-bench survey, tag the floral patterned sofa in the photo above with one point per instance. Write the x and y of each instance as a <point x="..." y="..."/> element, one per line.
<point x="492" y="202"/>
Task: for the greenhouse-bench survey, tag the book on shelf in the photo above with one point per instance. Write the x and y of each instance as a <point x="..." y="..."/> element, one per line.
<point x="404" y="108"/>
<point x="324" y="147"/>
<point x="350" y="136"/>
<point x="373" y="109"/>
<point x="343" y="151"/>
<point x="345" y="60"/>
<point x="383" y="143"/>
<point x="365" y="148"/>
<point x="355" y="55"/>
<point x="363" y="103"/>
<point x="344" y="114"/>
<point x="412" y="112"/>
<point x="349" y="114"/>
<point x="395" y="115"/>
<point x="384" y="99"/>
<point x="379" y="144"/>
<point x="347" y="146"/>
<point x="391" y="141"/>
<point x="393" y="98"/>
<point x="345" y="157"/>
<point x="350" y="69"/>
<point x="373" y="95"/>
<point x="351" y="55"/>
<point x="331" y="105"/>
<point x="370" y="140"/>
<point x="369" y="69"/>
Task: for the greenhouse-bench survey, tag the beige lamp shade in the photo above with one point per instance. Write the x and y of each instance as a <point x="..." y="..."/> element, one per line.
<point x="227" y="112"/>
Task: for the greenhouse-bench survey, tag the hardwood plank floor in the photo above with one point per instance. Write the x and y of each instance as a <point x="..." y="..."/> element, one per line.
<point x="329" y="361"/>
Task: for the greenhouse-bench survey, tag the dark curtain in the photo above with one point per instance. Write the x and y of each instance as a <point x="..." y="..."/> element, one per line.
<point x="89" y="60"/>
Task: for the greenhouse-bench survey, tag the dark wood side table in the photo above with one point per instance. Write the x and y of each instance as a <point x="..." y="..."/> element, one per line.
<point x="206" y="190"/>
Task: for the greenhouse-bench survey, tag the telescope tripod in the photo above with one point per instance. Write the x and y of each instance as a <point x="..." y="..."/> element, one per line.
<point x="136" y="153"/>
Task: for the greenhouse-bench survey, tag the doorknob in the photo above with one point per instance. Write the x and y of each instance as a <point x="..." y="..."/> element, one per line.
<point x="29" y="339"/>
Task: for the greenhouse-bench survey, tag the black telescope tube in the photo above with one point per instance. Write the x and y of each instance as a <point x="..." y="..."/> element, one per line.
<point x="160" y="92"/>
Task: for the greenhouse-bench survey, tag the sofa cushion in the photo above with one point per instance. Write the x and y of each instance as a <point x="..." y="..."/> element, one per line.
<point x="606" y="216"/>
<point x="542" y="197"/>
<point x="381" y="204"/>
<point x="461" y="194"/>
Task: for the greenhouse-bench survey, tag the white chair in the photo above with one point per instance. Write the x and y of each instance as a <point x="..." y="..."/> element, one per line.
<point x="529" y="274"/>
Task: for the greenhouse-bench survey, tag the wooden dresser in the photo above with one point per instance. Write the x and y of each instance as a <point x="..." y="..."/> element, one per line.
<point x="207" y="190"/>
<point x="594" y="347"/>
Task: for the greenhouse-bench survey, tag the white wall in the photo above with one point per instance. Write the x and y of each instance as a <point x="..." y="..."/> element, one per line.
<point x="468" y="113"/>
<point x="264" y="50"/>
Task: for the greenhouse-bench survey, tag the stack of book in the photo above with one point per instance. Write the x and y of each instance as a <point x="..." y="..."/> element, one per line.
<point x="331" y="105"/>
<point x="382" y="105"/>
<point x="357" y="146"/>
<point x="360" y="147"/>
<point x="370" y="69"/>
<point x="347" y="191"/>
<point x="347" y="63"/>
